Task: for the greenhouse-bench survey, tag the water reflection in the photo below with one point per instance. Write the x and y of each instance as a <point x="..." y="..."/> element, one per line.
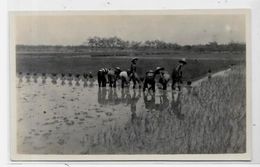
<point x="102" y="93"/>
<point x="113" y="98"/>
<point x="125" y="96"/>
<point x="149" y="101"/>
<point x="163" y="102"/>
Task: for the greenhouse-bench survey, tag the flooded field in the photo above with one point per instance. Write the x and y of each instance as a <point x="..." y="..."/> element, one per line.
<point x="60" y="64"/>
<point x="56" y="118"/>
<point x="62" y="117"/>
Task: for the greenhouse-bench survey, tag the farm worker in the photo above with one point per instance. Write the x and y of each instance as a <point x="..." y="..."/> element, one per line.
<point x="90" y="75"/>
<point x="102" y="77"/>
<point x="35" y="77"/>
<point x="133" y="75"/>
<point x="189" y="87"/>
<point x="54" y="78"/>
<point x="77" y="78"/>
<point x="209" y="74"/>
<point x="20" y="76"/>
<point x="91" y="79"/>
<point x="177" y="74"/>
<point x="102" y="94"/>
<point x="28" y="77"/>
<point x="70" y="78"/>
<point x="150" y="78"/>
<point x="124" y="76"/>
<point x="44" y="77"/>
<point x="85" y="77"/>
<point x="113" y="75"/>
<point x="164" y="78"/>
<point x="62" y="79"/>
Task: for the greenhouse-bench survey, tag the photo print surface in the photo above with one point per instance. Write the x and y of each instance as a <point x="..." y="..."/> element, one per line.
<point x="130" y="84"/>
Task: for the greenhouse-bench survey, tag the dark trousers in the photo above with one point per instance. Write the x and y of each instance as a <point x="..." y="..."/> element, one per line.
<point x="174" y="82"/>
<point x="134" y="77"/>
<point x="164" y="83"/>
<point x="123" y="82"/>
<point x="112" y="80"/>
<point x="149" y="81"/>
<point x="101" y="79"/>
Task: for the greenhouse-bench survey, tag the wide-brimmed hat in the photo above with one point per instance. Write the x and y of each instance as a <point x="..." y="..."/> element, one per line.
<point x="134" y="59"/>
<point x="159" y="68"/>
<point x="183" y="61"/>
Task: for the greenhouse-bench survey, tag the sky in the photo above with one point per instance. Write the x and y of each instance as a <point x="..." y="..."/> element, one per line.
<point x="181" y="29"/>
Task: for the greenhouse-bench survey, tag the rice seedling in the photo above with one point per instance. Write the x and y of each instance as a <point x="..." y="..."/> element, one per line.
<point x="210" y="119"/>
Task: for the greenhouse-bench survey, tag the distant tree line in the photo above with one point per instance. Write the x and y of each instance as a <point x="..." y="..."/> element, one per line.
<point x="97" y="43"/>
<point x="115" y="42"/>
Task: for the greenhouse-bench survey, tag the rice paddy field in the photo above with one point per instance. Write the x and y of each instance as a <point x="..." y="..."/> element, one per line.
<point x="82" y="64"/>
<point x="77" y="117"/>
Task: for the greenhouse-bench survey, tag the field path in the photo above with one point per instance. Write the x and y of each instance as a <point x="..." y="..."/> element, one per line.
<point x="220" y="73"/>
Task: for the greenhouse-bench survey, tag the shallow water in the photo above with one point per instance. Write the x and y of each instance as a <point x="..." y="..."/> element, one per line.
<point x="58" y="117"/>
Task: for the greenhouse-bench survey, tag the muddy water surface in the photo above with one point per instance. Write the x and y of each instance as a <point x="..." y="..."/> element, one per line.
<point x="61" y="117"/>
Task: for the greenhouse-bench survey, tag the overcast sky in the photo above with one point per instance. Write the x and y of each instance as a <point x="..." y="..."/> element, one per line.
<point x="181" y="29"/>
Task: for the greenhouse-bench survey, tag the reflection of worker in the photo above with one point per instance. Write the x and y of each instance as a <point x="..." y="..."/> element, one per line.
<point x="133" y="74"/>
<point x="125" y="96"/>
<point x="177" y="74"/>
<point x="149" y="101"/>
<point x="164" y="102"/>
<point x="112" y="97"/>
<point x="102" y="93"/>
<point x="134" y="100"/>
<point x="176" y="105"/>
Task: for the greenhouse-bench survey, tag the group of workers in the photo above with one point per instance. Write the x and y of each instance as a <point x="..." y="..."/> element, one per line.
<point x="112" y="75"/>
<point x="148" y="82"/>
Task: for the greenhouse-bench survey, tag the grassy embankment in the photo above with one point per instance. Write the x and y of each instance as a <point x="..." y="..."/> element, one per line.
<point x="211" y="119"/>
